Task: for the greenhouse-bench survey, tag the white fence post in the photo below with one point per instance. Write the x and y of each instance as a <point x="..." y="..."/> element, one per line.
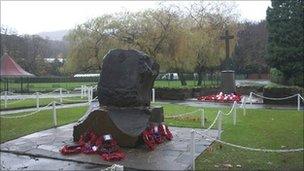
<point x="202" y="118"/>
<point x="250" y="98"/>
<point x="5" y="99"/>
<point x="193" y="148"/>
<point x="88" y="93"/>
<point x="234" y="113"/>
<point x="299" y="102"/>
<point x="60" y="92"/>
<point x="37" y="100"/>
<point x="244" y="106"/>
<point x="153" y="95"/>
<point x="54" y="114"/>
<point x="91" y="93"/>
<point x="219" y="125"/>
<point x="81" y="91"/>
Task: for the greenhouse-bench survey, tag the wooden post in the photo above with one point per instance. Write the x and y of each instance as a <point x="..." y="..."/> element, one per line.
<point x="81" y="91"/>
<point x="299" y="102"/>
<point x="89" y="94"/>
<point x="54" y="114"/>
<point x="5" y="99"/>
<point x="234" y="114"/>
<point x="60" y="92"/>
<point x="219" y="125"/>
<point x="250" y="98"/>
<point x="85" y="88"/>
<point x="244" y="106"/>
<point x="202" y="118"/>
<point x="37" y="100"/>
<point x="193" y="148"/>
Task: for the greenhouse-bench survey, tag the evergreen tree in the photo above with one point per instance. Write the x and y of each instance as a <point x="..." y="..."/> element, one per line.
<point x="285" y="39"/>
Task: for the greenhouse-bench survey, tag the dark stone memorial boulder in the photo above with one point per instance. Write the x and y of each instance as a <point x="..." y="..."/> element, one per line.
<point x="126" y="79"/>
<point x="124" y="95"/>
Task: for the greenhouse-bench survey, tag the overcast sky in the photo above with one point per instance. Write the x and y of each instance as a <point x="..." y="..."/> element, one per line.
<point x="30" y="17"/>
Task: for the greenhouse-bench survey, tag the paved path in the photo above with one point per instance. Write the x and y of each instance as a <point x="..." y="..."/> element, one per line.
<point x="10" y="161"/>
<point x="171" y="155"/>
<point x="251" y="82"/>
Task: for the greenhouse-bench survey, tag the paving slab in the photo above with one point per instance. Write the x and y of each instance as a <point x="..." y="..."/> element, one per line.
<point x="171" y="155"/>
<point x="11" y="161"/>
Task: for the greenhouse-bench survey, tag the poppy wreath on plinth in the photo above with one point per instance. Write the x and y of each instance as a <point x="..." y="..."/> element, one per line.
<point x="90" y="143"/>
<point x="221" y="97"/>
<point x="156" y="134"/>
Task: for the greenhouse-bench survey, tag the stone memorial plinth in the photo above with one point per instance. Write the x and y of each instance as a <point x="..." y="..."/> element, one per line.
<point x="228" y="81"/>
<point x="124" y="95"/>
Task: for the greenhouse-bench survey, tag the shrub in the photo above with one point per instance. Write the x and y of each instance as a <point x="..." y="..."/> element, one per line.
<point x="276" y="76"/>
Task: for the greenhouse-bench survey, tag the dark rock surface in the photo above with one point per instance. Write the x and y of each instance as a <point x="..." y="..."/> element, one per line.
<point x="124" y="95"/>
<point x="125" y="124"/>
<point x="126" y="79"/>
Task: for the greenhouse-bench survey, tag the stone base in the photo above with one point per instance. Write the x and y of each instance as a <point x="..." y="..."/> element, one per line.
<point x="124" y="124"/>
<point x="172" y="155"/>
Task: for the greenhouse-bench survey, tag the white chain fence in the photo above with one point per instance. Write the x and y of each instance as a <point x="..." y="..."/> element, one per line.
<point x="85" y="91"/>
<point x="184" y="114"/>
<point x="299" y="97"/>
<point x="250" y="148"/>
<point x="29" y="114"/>
<point x="231" y="110"/>
<point x="39" y="110"/>
<point x="275" y="98"/>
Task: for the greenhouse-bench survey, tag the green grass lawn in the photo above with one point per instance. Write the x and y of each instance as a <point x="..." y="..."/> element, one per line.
<point x="28" y="103"/>
<point x="14" y="128"/>
<point x="260" y="128"/>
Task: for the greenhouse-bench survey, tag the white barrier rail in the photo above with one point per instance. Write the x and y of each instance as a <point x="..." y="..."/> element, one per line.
<point x="274" y="98"/>
<point x="61" y="98"/>
<point x="252" y="149"/>
<point x="184" y="114"/>
<point x="299" y="97"/>
<point x="232" y="109"/>
<point x="29" y="114"/>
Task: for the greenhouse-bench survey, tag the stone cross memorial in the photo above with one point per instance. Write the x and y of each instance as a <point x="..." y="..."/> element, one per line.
<point x="124" y="95"/>
<point x="228" y="78"/>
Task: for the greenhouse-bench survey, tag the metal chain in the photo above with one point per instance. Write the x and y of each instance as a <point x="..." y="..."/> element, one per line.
<point x="233" y="106"/>
<point x="253" y="149"/>
<point x="29" y="114"/>
<point x="277" y="98"/>
<point x="76" y="100"/>
<point x="179" y="115"/>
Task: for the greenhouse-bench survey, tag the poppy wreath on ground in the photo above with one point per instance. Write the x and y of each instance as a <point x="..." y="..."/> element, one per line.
<point x="221" y="97"/>
<point x="90" y="143"/>
<point x="156" y="134"/>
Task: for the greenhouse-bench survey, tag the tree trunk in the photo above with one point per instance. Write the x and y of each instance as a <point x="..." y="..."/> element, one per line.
<point x="182" y="79"/>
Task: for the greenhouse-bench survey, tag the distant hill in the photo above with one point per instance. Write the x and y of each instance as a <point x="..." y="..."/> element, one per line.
<point x="54" y="35"/>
